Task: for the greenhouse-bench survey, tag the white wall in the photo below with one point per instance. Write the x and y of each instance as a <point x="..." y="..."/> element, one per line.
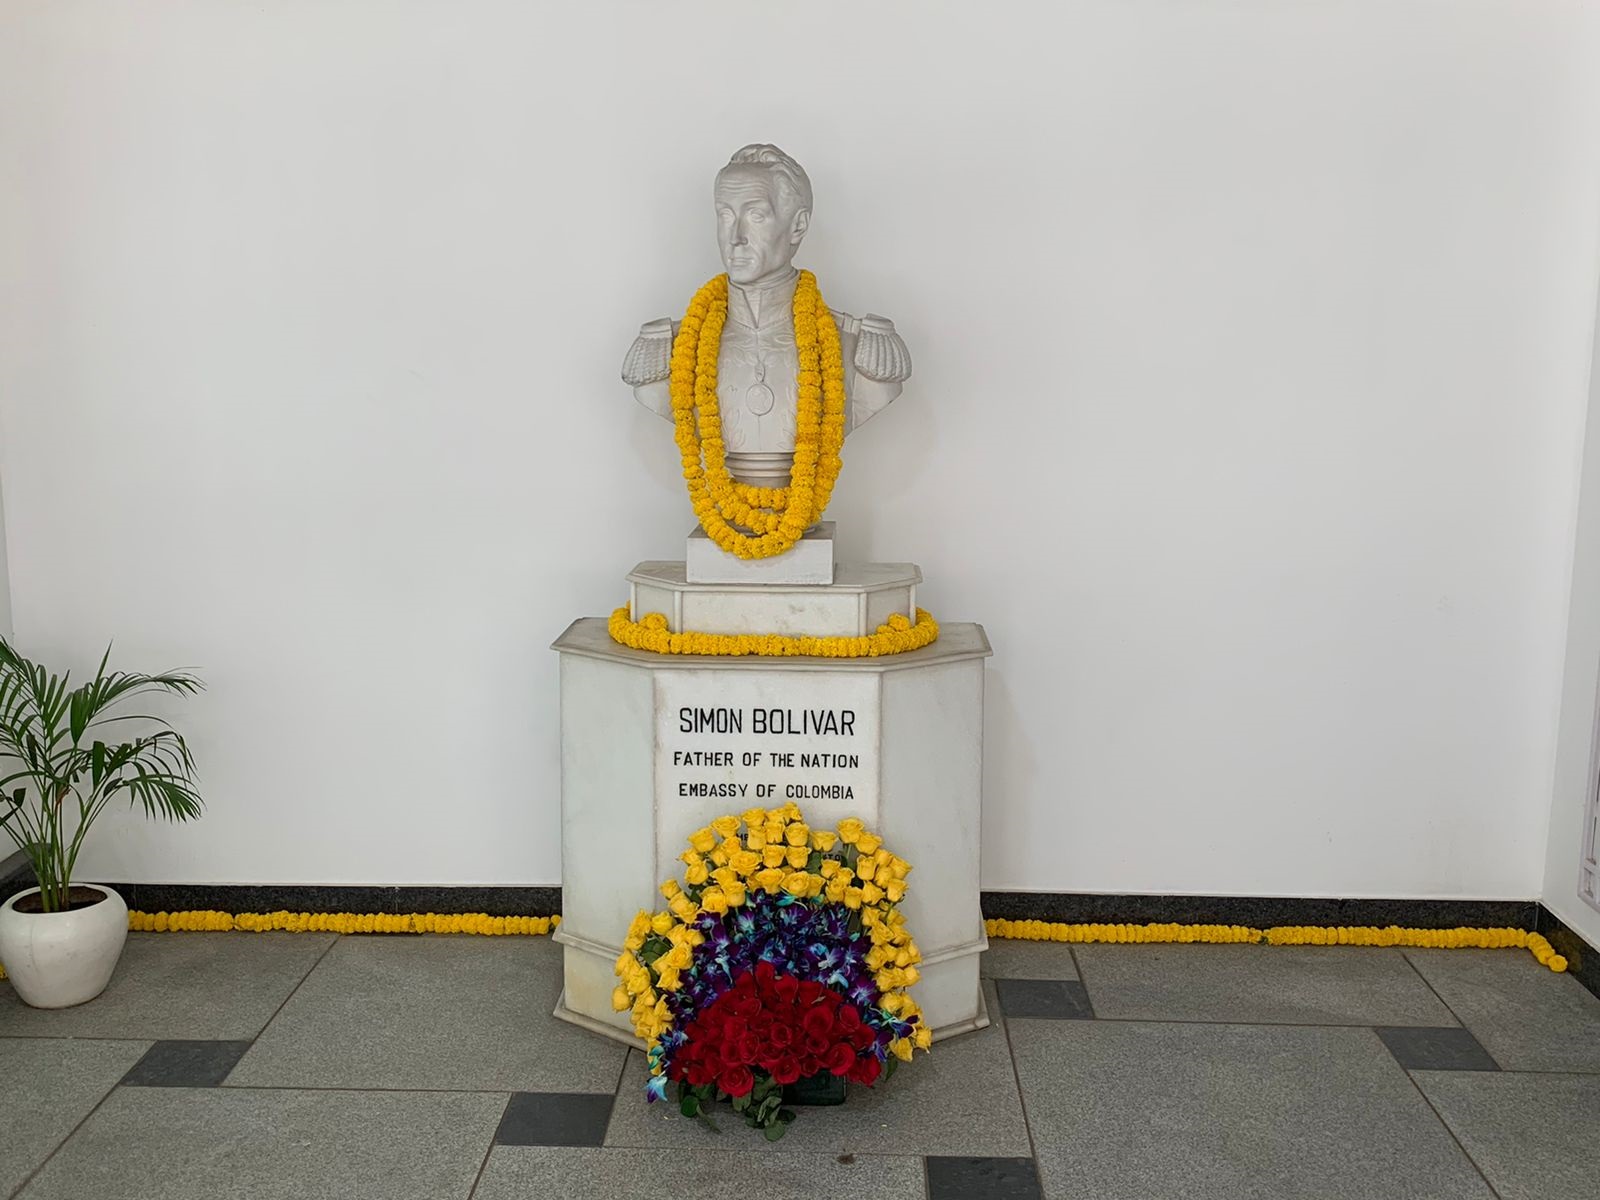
<point x="1251" y="346"/>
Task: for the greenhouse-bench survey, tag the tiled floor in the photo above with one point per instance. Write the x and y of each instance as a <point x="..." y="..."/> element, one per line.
<point x="262" y="1066"/>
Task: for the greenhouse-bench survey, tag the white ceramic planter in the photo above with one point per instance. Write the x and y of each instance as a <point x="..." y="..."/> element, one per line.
<point x="59" y="959"/>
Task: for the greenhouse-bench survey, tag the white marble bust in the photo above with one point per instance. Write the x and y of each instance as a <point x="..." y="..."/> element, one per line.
<point x="763" y="205"/>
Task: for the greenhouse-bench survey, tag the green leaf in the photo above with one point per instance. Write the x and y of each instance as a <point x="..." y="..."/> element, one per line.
<point x="774" y="1131"/>
<point x="690" y="1107"/>
<point x="787" y="1115"/>
<point x="741" y="1103"/>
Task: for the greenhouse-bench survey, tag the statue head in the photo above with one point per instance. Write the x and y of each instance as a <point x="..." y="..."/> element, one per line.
<point x="763" y="201"/>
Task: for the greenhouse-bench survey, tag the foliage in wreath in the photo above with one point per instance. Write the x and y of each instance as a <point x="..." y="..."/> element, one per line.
<point x="782" y="957"/>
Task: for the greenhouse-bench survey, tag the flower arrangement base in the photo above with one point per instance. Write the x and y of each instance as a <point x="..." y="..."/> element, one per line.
<point x="817" y="1091"/>
<point x="655" y="746"/>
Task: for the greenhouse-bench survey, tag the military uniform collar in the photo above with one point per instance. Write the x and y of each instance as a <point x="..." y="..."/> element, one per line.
<point x="764" y="305"/>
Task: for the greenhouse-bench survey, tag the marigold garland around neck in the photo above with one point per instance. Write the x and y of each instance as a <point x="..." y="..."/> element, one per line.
<point x="650" y="632"/>
<point x="782" y="956"/>
<point x="776" y="517"/>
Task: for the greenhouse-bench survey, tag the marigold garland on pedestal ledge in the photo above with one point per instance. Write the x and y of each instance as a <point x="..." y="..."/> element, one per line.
<point x="650" y="632"/>
<point x="782" y="956"/>
<point x="776" y="517"/>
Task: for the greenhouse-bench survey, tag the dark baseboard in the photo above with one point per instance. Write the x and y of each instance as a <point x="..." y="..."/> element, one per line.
<point x="1073" y="908"/>
<point x="1583" y="960"/>
<point x="1085" y="908"/>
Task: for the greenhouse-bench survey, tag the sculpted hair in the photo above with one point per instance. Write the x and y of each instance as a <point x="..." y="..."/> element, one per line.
<point x="791" y="176"/>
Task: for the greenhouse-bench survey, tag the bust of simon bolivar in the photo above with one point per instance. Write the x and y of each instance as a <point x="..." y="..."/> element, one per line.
<point x="763" y="206"/>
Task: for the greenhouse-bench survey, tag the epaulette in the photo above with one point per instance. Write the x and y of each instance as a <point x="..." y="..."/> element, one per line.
<point x="881" y="353"/>
<point x="649" y="359"/>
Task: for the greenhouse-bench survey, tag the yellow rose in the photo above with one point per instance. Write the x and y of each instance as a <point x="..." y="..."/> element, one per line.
<point x="895" y="889"/>
<point x="797" y="884"/>
<point x="822" y="840"/>
<point x="714" y="901"/>
<point x="679" y="957"/>
<point x="773" y="855"/>
<point x="797" y="834"/>
<point x="683" y="908"/>
<point x="735" y="894"/>
<point x="901" y="1048"/>
<point x="868" y="843"/>
<point x="696" y="874"/>
<point x="798" y="856"/>
<point x="754" y="817"/>
<point x="922" y="1037"/>
<point x="834" y="889"/>
<point x="745" y="863"/>
<point x="660" y="923"/>
<point x="852" y="896"/>
<point x="725" y="876"/>
<point x="829" y="867"/>
<point x="640" y="925"/>
<point x="755" y="839"/>
<point x="667" y="979"/>
<point x="849" y="830"/>
<point x="702" y="840"/>
<point x="871" y="893"/>
<point x="620" y="1000"/>
<point x="866" y="870"/>
<point x="770" y="880"/>
<point x="773" y="832"/>
<point x="719" y="857"/>
<point x="726" y="827"/>
<point x="624" y="961"/>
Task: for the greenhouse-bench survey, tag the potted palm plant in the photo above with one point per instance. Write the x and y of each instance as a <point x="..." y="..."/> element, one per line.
<point x="59" y="770"/>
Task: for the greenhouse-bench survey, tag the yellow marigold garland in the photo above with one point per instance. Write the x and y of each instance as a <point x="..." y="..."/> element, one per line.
<point x="777" y="516"/>
<point x="650" y="632"/>
<point x="307" y="922"/>
<point x="1284" y="935"/>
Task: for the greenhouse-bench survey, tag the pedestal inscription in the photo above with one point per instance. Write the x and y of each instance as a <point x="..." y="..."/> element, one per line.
<point x="729" y="741"/>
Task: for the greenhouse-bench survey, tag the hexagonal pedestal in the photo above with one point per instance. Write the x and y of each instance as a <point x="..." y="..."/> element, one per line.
<point x="655" y="746"/>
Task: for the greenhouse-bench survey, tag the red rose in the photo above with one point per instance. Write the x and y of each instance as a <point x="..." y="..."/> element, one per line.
<point x="817" y="1043"/>
<point x="817" y="1020"/>
<point x="849" y="1018"/>
<point x="865" y="1071"/>
<point x="786" y="988"/>
<point x="699" y="1074"/>
<point x="737" y="1081"/>
<point x="781" y="1037"/>
<point x="810" y="992"/>
<point x="840" y="1059"/>
<point x="862" y="1037"/>
<point x="787" y="1069"/>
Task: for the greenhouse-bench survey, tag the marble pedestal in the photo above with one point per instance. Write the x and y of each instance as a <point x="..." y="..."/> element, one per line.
<point x="655" y="746"/>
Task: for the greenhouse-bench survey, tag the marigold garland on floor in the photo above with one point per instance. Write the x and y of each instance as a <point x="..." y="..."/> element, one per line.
<point x="1284" y="935"/>
<point x="650" y="632"/>
<point x="776" y="517"/>
<point x="198" y="920"/>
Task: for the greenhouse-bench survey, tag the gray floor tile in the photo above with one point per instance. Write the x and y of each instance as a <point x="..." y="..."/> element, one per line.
<point x="459" y="1013"/>
<point x="1295" y="985"/>
<point x="1136" y="1111"/>
<point x="555" y="1119"/>
<point x="1537" y="1137"/>
<point x="186" y="1064"/>
<point x="49" y="1086"/>
<point x="959" y="1099"/>
<point x="1005" y="959"/>
<point x="181" y="985"/>
<point x="233" y="1144"/>
<point x="1528" y="1017"/>
<point x="1045" y="999"/>
<point x="522" y="1173"/>
<point x="1417" y="1048"/>
<point x="983" y="1179"/>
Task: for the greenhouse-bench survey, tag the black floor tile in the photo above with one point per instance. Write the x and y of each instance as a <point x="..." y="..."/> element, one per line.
<point x="555" y="1119"/>
<point x="1419" y="1048"/>
<point x="982" y="1179"/>
<point x="1049" y="999"/>
<point x="185" y="1064"/>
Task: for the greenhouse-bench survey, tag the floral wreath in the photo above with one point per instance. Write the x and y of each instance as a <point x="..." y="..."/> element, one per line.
<point x="782" y="958"/>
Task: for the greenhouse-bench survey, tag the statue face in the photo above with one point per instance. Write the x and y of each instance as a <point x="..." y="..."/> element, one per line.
<point x="758" y="229"/>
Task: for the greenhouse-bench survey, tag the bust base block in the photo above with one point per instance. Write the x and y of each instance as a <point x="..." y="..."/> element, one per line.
<point x="810" y="560"/>
<point x="655" y="746"/>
